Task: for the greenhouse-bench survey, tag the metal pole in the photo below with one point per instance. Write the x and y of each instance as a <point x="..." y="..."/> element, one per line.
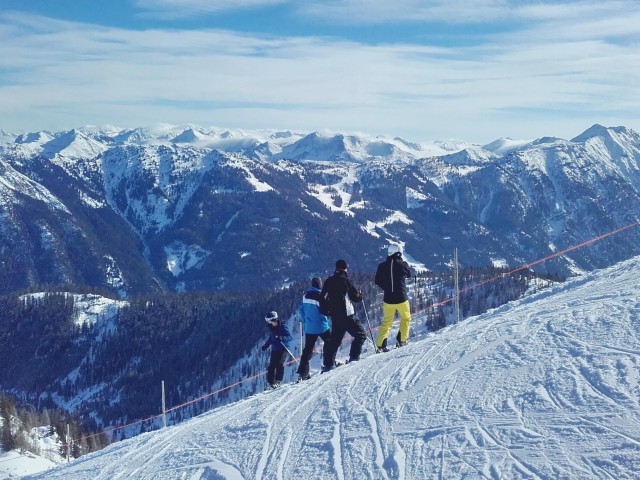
<point x="289" y="352"/>
<point x="68" y="444"/>
<point x="457" y="285"/>
<point x="364" y="307"/>
<point x="415" y="292"/>
<point x="164" y="409"/>
<point x="301" y="332"/>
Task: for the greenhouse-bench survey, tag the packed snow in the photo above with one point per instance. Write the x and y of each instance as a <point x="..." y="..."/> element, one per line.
<point x="17" y="463"/>
<point x="546" y="387"/>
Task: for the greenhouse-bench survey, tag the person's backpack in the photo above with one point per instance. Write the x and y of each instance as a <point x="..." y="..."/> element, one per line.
<point x="324" y="306"/>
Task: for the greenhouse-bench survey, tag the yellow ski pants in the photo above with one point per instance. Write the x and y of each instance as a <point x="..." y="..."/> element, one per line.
<point x="389" y="312"/>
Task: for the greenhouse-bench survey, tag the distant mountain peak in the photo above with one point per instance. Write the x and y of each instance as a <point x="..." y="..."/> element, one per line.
<point x="411" y="145"/>
<point x="33" y="137"/>
<point x="622" y="143"/>
<point x="190" y="135"/>
<point x="73" y="143"/>
<point x="502" y="146"/>
<point x="136" y="136"/>
<point x="285" y="134"/>
<point x="598" y="130"/>
<point x="470" y="156"/>
<point x="595" y="130"/>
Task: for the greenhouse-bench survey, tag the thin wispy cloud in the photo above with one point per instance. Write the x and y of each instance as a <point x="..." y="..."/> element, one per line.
<point x="413" y="11"/>
<point x="400" y="11"/>
<point x="346" y="11"/>
<point x="554" y="75"/>
<point x="184" y="8"/>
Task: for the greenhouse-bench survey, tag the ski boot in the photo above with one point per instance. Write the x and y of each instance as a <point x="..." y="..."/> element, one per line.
<point x="400" y="343"/>
<point x="383" y="348"/>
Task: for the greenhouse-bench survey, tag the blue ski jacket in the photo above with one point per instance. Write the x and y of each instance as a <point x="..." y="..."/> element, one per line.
<point x="279" y="337"/>
<point x="309" y="311"/>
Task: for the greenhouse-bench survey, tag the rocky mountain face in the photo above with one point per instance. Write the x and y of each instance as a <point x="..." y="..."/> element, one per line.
<point x="185" y="209"/>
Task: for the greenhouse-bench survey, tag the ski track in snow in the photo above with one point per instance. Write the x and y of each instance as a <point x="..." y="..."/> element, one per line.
<point x="544" y="388"/>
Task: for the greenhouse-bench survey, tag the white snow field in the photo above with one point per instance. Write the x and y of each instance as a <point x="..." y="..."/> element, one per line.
<point x="547" y="387"/>
<point x="14" y="464"/>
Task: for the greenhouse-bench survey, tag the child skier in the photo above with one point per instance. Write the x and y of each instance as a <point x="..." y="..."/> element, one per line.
<point x="279" y="336"/>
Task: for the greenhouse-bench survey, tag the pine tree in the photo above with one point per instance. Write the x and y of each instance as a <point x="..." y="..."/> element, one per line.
<point x="7" y="441"/>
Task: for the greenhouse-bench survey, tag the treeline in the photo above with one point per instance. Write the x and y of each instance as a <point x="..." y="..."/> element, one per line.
<point x="112" y="369"/>
<point x="187" y="340"/>
<point x="480" y="290"/>
<point x="23" y="429"/>
<point x="39" y="340"/>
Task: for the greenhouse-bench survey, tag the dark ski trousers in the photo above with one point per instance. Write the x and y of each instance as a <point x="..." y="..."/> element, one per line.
<point x="340" y="326"/>
<point x="275" y="370"/>
<point x="310" y="340"/>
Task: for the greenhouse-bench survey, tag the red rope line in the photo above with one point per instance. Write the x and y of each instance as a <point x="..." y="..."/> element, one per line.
<point x="536" y="262"/>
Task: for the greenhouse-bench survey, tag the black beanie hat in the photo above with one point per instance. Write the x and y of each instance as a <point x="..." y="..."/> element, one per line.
<point x="316" y="282"/>
<point x="341" y="265"/>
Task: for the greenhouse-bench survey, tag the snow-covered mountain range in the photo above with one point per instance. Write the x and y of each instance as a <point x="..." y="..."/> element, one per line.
<point x="546" y="387"/>
<point x="187" y="208"/>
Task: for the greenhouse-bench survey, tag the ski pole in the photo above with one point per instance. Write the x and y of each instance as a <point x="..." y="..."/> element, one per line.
<point x="300" y="331"/>
<point x="289" y="352"/>
<point x="364" y="307"/>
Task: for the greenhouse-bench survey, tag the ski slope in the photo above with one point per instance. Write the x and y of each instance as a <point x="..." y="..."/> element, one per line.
<point x="547" y="387"/>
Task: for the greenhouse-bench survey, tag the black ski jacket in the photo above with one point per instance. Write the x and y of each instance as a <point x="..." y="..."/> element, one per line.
<point x="391" y="277"/>
<point x="341" y="294"/>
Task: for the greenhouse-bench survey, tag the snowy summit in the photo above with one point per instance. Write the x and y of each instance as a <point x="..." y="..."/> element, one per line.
<point x="547" y="387"/>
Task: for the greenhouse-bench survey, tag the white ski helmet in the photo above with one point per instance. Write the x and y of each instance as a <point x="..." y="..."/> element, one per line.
<point x="271" y="317"/>
<point x="393" y="248"/>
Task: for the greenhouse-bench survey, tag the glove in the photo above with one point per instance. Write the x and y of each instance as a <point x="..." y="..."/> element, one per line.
<point x="265" y="346"/>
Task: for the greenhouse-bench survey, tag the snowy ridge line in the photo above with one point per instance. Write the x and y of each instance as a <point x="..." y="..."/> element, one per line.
<point x="443" y="302"/>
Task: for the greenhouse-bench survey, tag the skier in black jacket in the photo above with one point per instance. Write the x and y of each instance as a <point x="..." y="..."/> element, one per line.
<point x="391" y="277"/>
<point x="340" y="294"/>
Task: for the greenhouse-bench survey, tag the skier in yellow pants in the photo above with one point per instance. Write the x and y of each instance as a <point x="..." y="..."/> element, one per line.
<point x="391" y="277"/>
<point x="389" y="312"/>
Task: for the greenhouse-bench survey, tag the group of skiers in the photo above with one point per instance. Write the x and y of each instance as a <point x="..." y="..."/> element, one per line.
<point x="327" y="312"/>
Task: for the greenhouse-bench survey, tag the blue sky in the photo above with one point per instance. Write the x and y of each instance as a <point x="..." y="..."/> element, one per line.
<point x="423" y="70"/>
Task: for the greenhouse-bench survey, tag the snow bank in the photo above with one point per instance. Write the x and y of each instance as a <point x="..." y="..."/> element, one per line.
<point x="15" y="465"/>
